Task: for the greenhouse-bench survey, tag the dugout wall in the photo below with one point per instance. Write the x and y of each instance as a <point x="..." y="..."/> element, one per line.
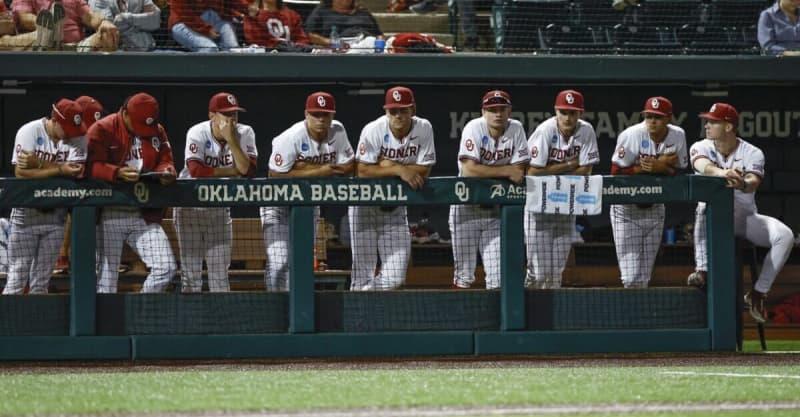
<point x="298" y="324"/>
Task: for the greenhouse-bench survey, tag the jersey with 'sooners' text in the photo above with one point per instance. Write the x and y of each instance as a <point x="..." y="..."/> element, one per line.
<point x="478" y="145"/>
<point x="203" y="148"/>
<point x="635" y="142"/>
<point x="295" y="145"/>
<point x="745" y="157"/>
<point x="32" y="137"/>
<point x="548" y="145"/>
<point x="416" y="148"/>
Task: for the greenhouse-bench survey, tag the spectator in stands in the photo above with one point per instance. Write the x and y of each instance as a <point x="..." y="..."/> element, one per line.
<point x="779" y="30"/>
<point x="131" y="146"/>
<point x="466" y="11"/>
<point x="46" y="25"/>
<point x="351" y="20"/>
<point x="135" y="19"/>
<point x="7" y="26"/>
<point x="206" y="25"/>
<point x="269" y="23"/>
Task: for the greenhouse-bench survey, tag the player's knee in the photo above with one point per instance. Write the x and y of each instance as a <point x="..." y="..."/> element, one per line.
<point x="783" y="238"/>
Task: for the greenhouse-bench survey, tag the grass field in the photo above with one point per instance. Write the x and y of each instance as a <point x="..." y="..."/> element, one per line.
<point x="693" y="385"/>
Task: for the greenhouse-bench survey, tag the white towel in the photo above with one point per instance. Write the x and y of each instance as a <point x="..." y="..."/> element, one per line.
<point x="565" y="194"/>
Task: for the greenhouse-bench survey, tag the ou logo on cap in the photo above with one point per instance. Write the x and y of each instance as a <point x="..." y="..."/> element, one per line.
<point x="713" y="108"/>
<point x="231" y="99"/>
<point x="497" y="94"/>
<point x="570" y="98"/>
<point x="321" y="101"/>
<point x="396" y="95"/>
<point x="77" y="119"/>
<point x="654" y="104"/>
<point x="149" y="121"/>
<point x="97" y="116"/>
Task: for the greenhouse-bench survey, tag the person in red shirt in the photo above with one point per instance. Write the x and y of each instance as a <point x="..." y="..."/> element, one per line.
<point x="131" y="145"/>
<point x="46" y="24"/>
<point x="205" y="25"/>
<point x="272" y="25"/>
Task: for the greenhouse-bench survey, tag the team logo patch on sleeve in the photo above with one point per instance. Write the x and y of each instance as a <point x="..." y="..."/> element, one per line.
<point x="193" y="148"/>
<point x="469" y="145"/>
<point x="278" y="159"/>
<point x="535" y="151"/>
<point x="694" y="152"/>
<point x="362" y="149"/>
<point x="621" y="152"/>
<point x="156" y="142"/>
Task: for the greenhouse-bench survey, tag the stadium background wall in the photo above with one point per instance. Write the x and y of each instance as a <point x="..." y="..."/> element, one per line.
<point x="448" y="88"/>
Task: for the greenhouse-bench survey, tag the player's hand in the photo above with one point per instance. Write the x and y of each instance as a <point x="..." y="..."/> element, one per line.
<point x="647" y="163"/>
<point x="70" y="169"/>
<point x="385" y="163"/>
<point x="734" y="178"/>
<point x="27" y="160"/>
<point x="226" y="127"/>
<point x="168" y="177"/>
<point x="412" y="178"/>
<point x="669" y="159"/>
<point x="516" y="175"/>
<point x="109" y="35"/>
<point x="213" y="34"/>
<point x="128" y="174"/>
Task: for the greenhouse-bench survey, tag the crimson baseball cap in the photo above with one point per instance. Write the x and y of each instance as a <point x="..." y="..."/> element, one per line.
<point x="569" y="100"/>
<point x="142" y="108"/>
<point x="69" y="116"/>
<point x="224" y="102"/>
<point x="321" y="101"/>
<point x="722" y="112"/>
<point x="397" y="97"/>
<point x="92" y="110"/>
<point x="496" y="98"/>
<point x="658" y="105"/>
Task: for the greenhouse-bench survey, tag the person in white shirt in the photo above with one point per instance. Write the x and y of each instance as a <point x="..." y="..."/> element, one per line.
<point x="492" y="146"/>
<point x="398" y="144"/>
<point x="652" y="147"/>
<point x="218" y="147"/>
<point x="43" y="148"/>
<point x="723" y="154"/>
<point x="314" y="147"/>
<point x="561" y="145"/>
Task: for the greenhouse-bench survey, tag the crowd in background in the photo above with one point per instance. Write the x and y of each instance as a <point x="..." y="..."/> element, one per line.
<point x="262" y="25"/>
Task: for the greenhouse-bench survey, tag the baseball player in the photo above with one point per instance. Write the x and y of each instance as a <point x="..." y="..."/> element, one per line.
<point x="314" y="147"/>
<point x="492" y="146"/>
<point x="652" y="147"/>
<point x="47" y="147"/>
<point x="398" y="144"/>
<point x="92" y="111"/>
<point x="219" y="147"/>
<point x="723" y="154"/>
<point x="561" y="145"/>
<point x="129" y="146"/>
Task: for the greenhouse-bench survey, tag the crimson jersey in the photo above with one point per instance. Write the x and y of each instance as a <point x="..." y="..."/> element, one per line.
<point x="270" y="28"/>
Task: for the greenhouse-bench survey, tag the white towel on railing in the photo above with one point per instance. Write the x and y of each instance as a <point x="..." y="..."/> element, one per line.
<point x="564" y="194"/>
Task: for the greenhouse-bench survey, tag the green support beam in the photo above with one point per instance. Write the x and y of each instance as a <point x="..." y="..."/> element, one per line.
<point x="83" y="276"/>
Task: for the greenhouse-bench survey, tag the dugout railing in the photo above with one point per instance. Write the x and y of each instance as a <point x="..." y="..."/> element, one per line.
<point x="78" y="326"/>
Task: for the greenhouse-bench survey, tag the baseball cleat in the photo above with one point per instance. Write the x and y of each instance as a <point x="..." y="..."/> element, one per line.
<point x="44" y="31"/>
<point x="58" y="24"/>
<point x="696" y="279"/>
<point x="754" y="301"/>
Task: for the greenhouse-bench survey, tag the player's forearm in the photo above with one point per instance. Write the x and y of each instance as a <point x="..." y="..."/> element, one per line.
<point x="240" y="160"/>
<point x="484" y="171"/>
<point x="378" y="171"/>
<point x="553" y="169"/>
<point x="43" y="172"/>
<point x="583" y="170"/>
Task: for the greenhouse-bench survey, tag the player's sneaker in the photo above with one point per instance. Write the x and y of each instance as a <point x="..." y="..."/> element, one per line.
<point x="44" y="31"/>
<point x="696" y="279"/>
<point x="754" y="301"/>
<point x="58" y="23"/>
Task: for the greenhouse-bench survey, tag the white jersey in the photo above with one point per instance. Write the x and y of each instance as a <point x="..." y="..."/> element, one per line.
<point x="32" y="137"/>
<point x="203" y="148"/>
<point x="478" y="145"/>
<point x="416" y="148"/>
<point x="635" y="142"/>
<point x="744" y="157"/>
<point x="548" y="146"/>
<point x="295" y="145"/>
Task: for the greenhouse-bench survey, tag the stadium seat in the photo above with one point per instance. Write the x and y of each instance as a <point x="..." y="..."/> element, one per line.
<point x="646" y="40"/>
<point x="522" y="17"/>
<point x="557" y="39"/>
<point x="715" y="40"/>
<point x="668" y="13"/>
<point x="739" y="13"/>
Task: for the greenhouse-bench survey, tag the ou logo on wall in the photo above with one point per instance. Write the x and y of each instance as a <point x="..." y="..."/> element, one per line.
<point x="461" y="191"/>
<point x="141" y="192"/>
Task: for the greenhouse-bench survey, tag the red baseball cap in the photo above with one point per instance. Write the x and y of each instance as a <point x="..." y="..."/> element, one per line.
<point x="397" y="97"/>
<point x="658" y="105"/>
<point x="722" y="112"/>
<point x="224" y="102"/>
<point x="569" y="100"/>
<point x="321" y="101"/>
<point x="69" y="116"/>
<point x="142" y="108"/>
<point x="92" y="110"/>
<point x="496" y="98"/>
